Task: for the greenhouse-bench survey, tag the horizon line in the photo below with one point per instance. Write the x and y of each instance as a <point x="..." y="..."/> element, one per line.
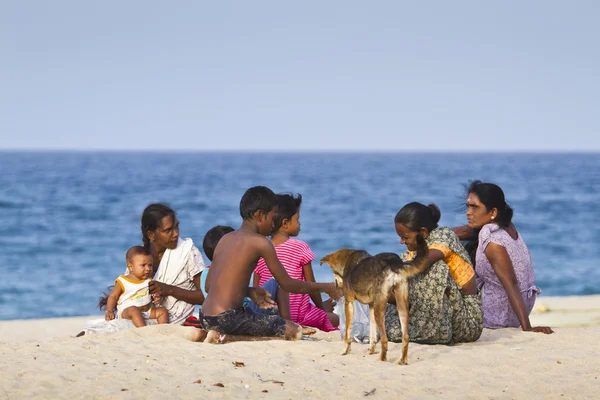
<point x="302" y="151"/>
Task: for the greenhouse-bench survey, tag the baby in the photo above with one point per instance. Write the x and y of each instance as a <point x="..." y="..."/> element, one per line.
<point x="130" y="297"/>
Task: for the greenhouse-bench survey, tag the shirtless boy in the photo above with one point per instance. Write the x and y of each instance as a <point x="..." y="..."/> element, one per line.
<point x="234" y="260"/>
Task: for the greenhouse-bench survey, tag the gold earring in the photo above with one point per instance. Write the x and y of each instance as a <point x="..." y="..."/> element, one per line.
<point x="493" y="217"/>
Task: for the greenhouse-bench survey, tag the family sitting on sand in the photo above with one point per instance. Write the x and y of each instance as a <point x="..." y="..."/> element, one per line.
<point x="452" y="301"/>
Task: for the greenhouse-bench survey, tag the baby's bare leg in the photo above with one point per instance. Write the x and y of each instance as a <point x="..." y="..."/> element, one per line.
<point x="135" y="315"/>
<point x="160" y="314"/>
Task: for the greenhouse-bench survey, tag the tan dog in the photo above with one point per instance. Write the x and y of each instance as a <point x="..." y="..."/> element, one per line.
<point x="371" y="280"/>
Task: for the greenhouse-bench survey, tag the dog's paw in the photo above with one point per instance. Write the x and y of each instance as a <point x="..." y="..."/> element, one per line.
<point x="403" y="361"/>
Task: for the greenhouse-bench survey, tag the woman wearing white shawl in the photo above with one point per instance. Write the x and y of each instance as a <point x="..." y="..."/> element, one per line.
<point x="177" y="278"/>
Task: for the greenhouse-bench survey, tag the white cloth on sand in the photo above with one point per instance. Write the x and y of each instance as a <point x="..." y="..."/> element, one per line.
<point x="178" y="267"/>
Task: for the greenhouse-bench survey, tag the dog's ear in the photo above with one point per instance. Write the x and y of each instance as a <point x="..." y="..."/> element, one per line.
<point x="325" y="259"/>
<point x="334" y="258"/>
<point x="344" y="257"/>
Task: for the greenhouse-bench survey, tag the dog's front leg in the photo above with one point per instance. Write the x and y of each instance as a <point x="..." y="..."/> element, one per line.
<point x="401" y="294"/>
<point x="349" y="310"/>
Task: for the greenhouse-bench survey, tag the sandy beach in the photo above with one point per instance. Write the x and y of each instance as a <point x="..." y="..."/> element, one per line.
<point x="42" y="359"/>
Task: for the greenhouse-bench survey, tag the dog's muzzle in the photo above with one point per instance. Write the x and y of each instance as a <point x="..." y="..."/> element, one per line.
<point x="338" y="281"/>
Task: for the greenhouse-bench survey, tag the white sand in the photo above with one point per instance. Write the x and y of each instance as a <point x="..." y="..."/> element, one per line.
<point x="149" y="363"/>
<point x="572" y="311"/>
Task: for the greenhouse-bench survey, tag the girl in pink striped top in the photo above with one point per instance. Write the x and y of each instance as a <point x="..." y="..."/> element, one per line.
<point x="296" y="256"/>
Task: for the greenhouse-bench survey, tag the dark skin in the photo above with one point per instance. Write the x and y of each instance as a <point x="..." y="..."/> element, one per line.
<point x="464" y="232"/>
<point x="165" y="237"/>
<point x="291" y="227"/>
<point x="479" y="215"/>
<point x="409" y="238"/>
<point x="283" y="298"/>
<point x="140" y="267"/>
<point x="498" y="257"/>
<point x="233" y="263"/>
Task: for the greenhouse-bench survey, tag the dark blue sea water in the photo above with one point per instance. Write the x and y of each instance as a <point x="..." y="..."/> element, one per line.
<point x="66" y="219"/>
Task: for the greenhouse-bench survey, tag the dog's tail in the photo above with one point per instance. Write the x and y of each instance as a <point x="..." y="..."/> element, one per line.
<point x="418" y="264"/>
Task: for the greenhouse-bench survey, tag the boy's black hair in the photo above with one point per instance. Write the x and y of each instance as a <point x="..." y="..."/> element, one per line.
<point x="257" y="198"/>
<point x="288" y="206"/>
<point x="212" y="237"/>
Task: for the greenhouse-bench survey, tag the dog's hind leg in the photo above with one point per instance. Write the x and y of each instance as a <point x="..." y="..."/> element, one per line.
<point x="379" y="311"/>
<point x="372" y="330"/>
<point x="401" y="293"/>
<point x="349" y="310"/>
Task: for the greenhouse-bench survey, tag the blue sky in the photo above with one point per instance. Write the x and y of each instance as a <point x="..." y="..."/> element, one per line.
<point x="310" y="75"/>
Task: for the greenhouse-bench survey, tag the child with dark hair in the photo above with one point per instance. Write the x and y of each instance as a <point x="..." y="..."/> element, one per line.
<point x="296" y="257"/>
<point x="234" y="259"/>
<point x="211" y="239"/>
<point x="130" y="297"/>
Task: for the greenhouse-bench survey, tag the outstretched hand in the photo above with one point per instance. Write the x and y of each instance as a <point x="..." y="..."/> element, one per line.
<point x="333" y="291"/>
<point x="262" y="298"/>
<point x="540" y="329"/>
<point x="328" y="305"/>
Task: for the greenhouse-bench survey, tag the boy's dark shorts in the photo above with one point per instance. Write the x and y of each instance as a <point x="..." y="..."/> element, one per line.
<point x="244" y="321"/>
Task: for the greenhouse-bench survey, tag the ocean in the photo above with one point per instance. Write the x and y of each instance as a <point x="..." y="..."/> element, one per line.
<point x="67" y="218"/>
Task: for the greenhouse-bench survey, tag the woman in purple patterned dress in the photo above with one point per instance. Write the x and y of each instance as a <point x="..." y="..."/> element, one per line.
<point x="503" y="265"/>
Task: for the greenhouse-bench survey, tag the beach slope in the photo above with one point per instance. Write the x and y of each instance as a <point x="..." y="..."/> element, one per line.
<point x="149" y="363"/>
